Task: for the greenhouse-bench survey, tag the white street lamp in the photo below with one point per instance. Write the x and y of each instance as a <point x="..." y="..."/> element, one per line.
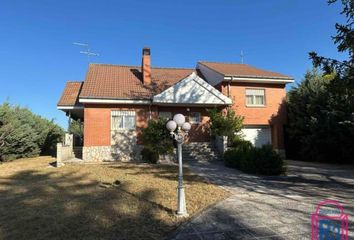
<point x="179" y="122"/>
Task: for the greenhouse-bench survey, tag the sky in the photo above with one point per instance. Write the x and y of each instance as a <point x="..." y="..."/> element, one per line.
<point x="37" y="56"/>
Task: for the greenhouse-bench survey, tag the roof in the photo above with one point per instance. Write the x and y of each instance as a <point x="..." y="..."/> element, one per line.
<point x="192" y="90"/>
<point x="70" y="96"/>
<point x="125" y="82"/>
<point x="242" y="70"/>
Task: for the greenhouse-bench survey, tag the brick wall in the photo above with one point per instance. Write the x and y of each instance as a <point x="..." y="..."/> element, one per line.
<point x="199" y="131"/>
<point x="97" y="124"/>
<point x="273" y="113"/>
<point x="97" y="128"/>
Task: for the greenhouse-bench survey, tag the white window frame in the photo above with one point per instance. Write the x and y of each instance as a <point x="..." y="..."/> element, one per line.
<point x="254" y="97"/>
<point x="199" y="118"/>
<point x="123" y="114"/>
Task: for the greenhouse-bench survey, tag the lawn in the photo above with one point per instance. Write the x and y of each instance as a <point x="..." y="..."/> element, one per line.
<point x="120" y="201"/>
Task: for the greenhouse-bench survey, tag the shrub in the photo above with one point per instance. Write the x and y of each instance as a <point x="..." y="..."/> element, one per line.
<point x="24" y="134"/>
<point x="156" y="138"/>
<point x="149" y="155"/>
<point x="225" y="125"/>
<point x="264" y="160"/>
<point x="239" y="155"/>
<point x="76" y="129"/>
<point x="268" y="161"/>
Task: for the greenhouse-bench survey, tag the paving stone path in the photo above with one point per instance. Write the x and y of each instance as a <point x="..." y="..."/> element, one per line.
<point x="269" y="207"/>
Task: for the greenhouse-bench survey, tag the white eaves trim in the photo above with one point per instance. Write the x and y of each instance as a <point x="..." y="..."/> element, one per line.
<point x="69" y="107"/>
<point x="118" y="101"/>
<point x="259" y="80"/>
<point x="191" y="91"/>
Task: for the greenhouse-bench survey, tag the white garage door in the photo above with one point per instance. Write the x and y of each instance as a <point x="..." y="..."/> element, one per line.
<point x="258" y="136"/>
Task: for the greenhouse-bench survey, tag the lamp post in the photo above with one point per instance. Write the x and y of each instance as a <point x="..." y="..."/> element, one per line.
<point x="179" y="122"/>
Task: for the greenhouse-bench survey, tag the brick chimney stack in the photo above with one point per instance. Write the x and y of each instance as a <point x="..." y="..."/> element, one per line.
<point x="146" y="66"/>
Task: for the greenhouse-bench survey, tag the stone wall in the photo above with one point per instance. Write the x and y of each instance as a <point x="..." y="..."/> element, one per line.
<point x="97" y="154"/>
<point x="220" y="144"/>
<point x="123" y="148"/>
<point x="111" y="153"/>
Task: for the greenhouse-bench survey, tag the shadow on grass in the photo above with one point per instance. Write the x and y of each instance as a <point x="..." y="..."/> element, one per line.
<point x="163" y="172"/>
<point x="36" y="205"/>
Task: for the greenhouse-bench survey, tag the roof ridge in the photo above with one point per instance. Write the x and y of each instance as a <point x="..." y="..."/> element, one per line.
<point x="122" y="65"/>
<point x="179" y="68"/>
<point x="114" y="65"/>
<point x="224" y="63"/>
<point x="73" y="81"/>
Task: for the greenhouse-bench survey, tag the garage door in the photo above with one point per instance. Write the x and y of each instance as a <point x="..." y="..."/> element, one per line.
<point x="258" y="136"/>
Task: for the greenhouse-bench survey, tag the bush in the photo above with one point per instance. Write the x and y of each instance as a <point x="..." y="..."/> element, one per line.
<point x="24" y="134"/>
<point x="263" y="161"/>
<point x="149" y="155"/>
<point x="268" y="161"/>
<point x="225" y="125"/>
<point x="156" y="138"/>
<point x="239" y="155"/>
<point x="76" y="129"/>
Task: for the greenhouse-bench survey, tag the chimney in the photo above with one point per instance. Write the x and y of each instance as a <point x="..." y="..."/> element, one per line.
<point x="146" y="66"/>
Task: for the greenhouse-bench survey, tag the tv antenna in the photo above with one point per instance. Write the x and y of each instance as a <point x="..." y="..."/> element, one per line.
<point x="241" y="55"/>
<point x="87" y="51"/>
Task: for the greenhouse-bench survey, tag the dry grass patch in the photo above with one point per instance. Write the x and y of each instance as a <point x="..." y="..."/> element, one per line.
<point x="121" y="201"/>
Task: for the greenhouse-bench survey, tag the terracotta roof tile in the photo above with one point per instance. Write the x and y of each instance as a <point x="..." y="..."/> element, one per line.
<point x="124" y="82"/>
<point x="70" y="94"/>
<point x="242" y="70"/>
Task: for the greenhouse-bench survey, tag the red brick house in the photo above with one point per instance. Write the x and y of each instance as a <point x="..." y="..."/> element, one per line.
<point x="115" y="102"/>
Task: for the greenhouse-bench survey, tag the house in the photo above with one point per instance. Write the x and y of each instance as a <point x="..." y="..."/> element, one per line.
<point x="115" y="103"/>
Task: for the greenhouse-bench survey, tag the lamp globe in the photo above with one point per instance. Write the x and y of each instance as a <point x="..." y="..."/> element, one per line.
<point x="179" y="119"/>
<point x="186" y="126"/>
<point x="171" y="125"/>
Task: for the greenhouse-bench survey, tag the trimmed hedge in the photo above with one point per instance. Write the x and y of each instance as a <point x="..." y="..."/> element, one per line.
<point x="245" y="157"/>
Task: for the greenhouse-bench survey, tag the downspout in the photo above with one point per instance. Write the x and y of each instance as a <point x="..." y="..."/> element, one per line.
<point x="229" y="89"/>
<point x="150" y="110"/>
<point x="150" y="113"/>
<point x="69" y="121"/>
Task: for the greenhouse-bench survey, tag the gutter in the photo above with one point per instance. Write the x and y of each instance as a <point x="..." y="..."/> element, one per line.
<point x="259" y="80"/>
<point x="117" y="101"/>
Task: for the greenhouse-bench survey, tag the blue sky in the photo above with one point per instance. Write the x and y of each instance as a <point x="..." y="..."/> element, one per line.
<point x="37" y="56"/>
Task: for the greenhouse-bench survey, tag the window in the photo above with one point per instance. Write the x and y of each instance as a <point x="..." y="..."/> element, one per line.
<point x="122" y="120"/>
<point x="194" y="117"/>
<point x="165" y="115"/>
<point x="255" y="97"/>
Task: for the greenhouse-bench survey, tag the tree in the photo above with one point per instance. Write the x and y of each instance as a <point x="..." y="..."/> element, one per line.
<point x="76" y="129"/>
<point x="225" y="125"/>
<point x="24" y="134"/>
<point x="313" y="129"/>
<point x="321" y="110"/>
<point x="344" y="40"/>
<point x="156" y="137"/>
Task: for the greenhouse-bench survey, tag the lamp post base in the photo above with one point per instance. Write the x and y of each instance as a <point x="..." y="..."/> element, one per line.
<point x="181" y="208"/>
<point x="180" y="215"/>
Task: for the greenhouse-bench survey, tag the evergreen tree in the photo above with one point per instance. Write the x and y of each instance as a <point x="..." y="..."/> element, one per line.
<point x="321" y="109"/>
<point x="24" y="134"/>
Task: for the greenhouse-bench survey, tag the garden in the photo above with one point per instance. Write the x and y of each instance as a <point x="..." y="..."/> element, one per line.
<point x="241" y="154"/>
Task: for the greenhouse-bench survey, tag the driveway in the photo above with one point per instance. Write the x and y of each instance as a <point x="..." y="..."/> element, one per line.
<point x="269" y="207"/>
